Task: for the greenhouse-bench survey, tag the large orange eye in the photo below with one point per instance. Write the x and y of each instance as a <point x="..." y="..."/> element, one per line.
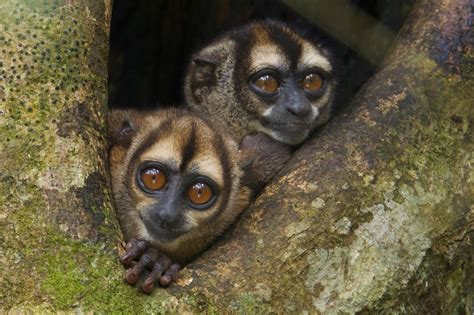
<point x="153" y="178"/>
<point x="267" y="83"/>
<point x="313" y="83"/>
<point x="200" y="193"/>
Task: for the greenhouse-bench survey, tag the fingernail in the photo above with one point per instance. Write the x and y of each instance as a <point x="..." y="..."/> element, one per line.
<point x="130" y="243"/>
<point x="147" y="285"/>
<point x="131" y="277"/>
<point x="125" y="256"/>
<point x="149" y="281"/>
<point x="165" y="281"/>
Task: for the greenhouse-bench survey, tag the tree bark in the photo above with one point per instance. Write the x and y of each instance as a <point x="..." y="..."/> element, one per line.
<point x="374" y="214"/>
<point x="56" y="221"/>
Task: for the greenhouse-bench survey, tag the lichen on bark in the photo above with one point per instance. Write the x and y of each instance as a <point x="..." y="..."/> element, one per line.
<point x="53" y="188"/>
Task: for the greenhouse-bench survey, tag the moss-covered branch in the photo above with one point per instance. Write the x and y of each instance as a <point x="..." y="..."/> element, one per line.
<point x="56" y="224"/>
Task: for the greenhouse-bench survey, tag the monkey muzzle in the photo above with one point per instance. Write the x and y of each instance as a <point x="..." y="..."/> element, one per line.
<point x="162" y="230"/>
<point x="292" y="131"/>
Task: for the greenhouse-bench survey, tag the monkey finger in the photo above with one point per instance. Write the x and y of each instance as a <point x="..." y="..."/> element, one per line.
<point x="149" y="283"/>
<point x="146" y="261"/>
<point x="159" y="267"/>
<point x="134" y="249"/>
<point x="170" y="275"/>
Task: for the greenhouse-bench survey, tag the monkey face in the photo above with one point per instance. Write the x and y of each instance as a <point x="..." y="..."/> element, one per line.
<point x="288" y="102"/>
<point x="289" y="82"/>
<point x="175" y="177"/>
<point x="276" y="80"/>
<point x="174" y="201"/>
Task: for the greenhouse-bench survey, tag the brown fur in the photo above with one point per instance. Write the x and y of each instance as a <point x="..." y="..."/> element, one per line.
<point x="218" y="76"/>
<point x="128" y="130"/>
<point x="265" y="157"/>
<point x="218" y="82"/>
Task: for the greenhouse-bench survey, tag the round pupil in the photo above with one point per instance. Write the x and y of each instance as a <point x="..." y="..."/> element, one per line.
<point x="200" y="193"/>
<point x="153" y="178"/>
<point x="313" y="82"/>
<point x="267" y="83"/>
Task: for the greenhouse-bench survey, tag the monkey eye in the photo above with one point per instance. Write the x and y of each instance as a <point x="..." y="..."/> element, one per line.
<point x="265" y="82"/>
<point x="152" y="178"/>
<point x="200" y="194"/>
<point x="313" y="83"/>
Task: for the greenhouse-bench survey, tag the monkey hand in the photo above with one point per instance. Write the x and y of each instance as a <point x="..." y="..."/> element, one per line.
<point x="261" y="159"/>
<point x="146" y="262"/>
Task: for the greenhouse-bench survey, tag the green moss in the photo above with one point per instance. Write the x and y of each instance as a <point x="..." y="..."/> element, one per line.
<point x="68" y="274"/>
<point x="46" y="70"/>
<point x="48" y="61"/>
<point x="83" y="275"/>
<point x="52" y="91"/>
<point x="248" y="303"/>
<point x="65" y="273"/>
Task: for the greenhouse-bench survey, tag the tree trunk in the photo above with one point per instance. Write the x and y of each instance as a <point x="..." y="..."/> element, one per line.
<point x="56" y="222"/>
<point x="373" y="214"/>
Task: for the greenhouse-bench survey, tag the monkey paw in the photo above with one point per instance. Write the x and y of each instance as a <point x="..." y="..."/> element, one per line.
<point x="148" y="263"/>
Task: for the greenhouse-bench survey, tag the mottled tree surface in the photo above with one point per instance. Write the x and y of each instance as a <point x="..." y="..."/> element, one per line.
<point x="374" y="214"/>
<point x="57" y="230"/>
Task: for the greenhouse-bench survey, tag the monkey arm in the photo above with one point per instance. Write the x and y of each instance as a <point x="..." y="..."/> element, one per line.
<point x="148" y="264"/>
<point x="261" y="159"/>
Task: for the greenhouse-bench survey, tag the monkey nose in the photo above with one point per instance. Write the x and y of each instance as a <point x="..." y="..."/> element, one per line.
<point x="170" y="223"/>
<point x="166" y="220"/>
<point x="299" y="110"/>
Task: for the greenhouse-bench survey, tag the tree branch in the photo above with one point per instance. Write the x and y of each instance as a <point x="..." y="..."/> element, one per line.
<point x="379" y="201"/>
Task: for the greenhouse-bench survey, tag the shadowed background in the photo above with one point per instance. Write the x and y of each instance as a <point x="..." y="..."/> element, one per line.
<point x="151" y="41"/>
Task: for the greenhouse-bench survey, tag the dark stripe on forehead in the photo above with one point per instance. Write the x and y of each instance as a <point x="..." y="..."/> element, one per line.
<point x="240" y="74"/>
<point x="243" y="43"/>
<point x="287" y="41"/>
<point x="189" y="148"/>
<point x="220" y="148"/>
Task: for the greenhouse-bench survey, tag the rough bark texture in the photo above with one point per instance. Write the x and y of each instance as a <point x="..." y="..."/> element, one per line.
<point x="55" y="214"/>
<point x="373" y="214"/>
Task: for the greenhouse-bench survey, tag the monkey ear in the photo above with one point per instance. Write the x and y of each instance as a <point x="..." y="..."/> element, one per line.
<point x="204" y="67"/>
<point x="205" y="59"/>
<point x="127" y="131"/>
<point x="121" y="127"/>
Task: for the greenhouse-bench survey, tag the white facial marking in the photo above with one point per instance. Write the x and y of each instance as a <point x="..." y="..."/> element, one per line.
<point x="324" y="99"/>
<point x="208" y="165"/>
<point x="191" y="219"/>
<point x="281" y="136"/>
<point x="268" y="112"/>
<point x="310" y="56"/>
<point x="164" y="150"/>
<point x="314" y="110"/>
<point x="267" y="56"/>
<point x="142" y="232"/>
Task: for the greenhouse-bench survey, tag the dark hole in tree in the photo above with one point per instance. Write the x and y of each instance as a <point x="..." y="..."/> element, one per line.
<point x="152" y="40"/>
